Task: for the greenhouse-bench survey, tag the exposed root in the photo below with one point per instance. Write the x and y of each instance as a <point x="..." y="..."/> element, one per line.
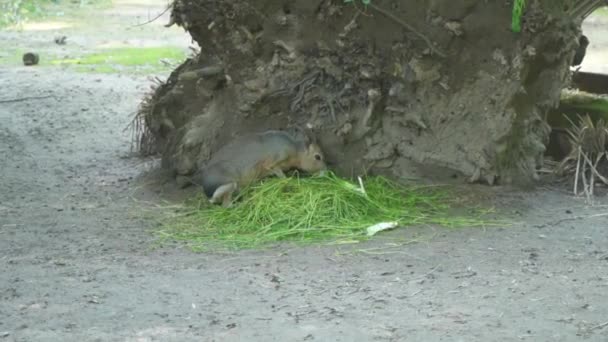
<point x="408" y="27"/>
<point x="142" y="139"/>
<point x="301" y="87"/>
<point x="350" y="26"/>
<point x="373" y="96"/>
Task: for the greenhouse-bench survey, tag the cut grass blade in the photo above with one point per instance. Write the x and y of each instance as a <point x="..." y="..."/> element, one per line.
<point x="309" y="210"/>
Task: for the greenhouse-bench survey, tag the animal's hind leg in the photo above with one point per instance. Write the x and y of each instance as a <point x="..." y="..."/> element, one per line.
<point x="223" y="193"/>
<point x="227" y="201"/>
<point x="278" y="172"/>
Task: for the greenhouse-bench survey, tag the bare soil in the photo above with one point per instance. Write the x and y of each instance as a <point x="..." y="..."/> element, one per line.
<point x="76" y="262"/>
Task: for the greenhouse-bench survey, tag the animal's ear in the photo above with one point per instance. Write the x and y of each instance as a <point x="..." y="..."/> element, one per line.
<point x="311" y="137"/>
<point x="301" y="135"/>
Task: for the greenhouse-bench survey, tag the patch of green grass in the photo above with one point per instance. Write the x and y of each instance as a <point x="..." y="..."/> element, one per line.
<point x="595" y="105"/>
<point x="131" y="60"/>
<point x="309" y="210"/>
<point x="11" y="57"/>
<point x="575" y="102"/>
<point x="585" y="101"/>
<point x="603" y="11"/>
<point x="14" y="57"/>
<point x="15" y="12"/>
<point x="142" y="61"/>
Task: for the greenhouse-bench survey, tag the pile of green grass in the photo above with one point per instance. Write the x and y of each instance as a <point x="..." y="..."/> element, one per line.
<point x="308" y="210"/>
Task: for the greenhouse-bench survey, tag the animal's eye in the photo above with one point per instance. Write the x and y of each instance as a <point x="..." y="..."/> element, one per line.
<point x="318" y="156"/>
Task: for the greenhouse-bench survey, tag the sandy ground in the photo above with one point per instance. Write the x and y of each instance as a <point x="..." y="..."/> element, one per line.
<point x="75" y="262"/>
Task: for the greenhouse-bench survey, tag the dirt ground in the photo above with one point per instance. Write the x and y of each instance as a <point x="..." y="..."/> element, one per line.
<point x="76" y="262"/>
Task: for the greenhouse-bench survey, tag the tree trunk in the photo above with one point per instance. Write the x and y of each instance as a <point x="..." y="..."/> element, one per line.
<point x="394" y="88"/>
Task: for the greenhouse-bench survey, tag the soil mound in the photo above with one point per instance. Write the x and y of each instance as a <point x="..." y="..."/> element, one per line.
<point x="386" y="88"/>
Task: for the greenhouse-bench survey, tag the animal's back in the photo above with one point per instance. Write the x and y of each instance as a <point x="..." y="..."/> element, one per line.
<point x="242" y="160"/>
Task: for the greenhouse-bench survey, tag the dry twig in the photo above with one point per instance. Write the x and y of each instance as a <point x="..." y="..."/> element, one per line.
<point x="26" y="99"/>
<point x="155" y="18"/>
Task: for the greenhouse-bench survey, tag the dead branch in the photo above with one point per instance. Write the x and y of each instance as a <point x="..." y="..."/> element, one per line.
<point x="567" y="219"/>
<point x="578" y="168"/>
<point x="600" y="326"/>
<point x="21" y="99"/>
<point x="155" y="18"/>
<point x="593" y="167"/>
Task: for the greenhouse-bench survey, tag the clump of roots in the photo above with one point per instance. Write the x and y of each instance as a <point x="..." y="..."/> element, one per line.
<point x="588" y="141"/>
<point x="142" y="138"/>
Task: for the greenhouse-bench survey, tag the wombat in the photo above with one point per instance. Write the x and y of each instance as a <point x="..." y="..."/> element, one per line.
<point x="255" y="156"/>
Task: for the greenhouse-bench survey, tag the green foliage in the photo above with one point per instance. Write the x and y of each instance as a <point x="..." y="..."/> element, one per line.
<point x="136" y="60"/>
<point x="17" y="11"/>
<point x="602" y="11"/>
<point x="14" y="12"/>
<point x="574" y="102"/>
<point x="518" y="8"/>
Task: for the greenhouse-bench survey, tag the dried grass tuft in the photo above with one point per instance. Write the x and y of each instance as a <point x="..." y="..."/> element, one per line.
<point x="589" y="149"/>
<point x="143" y="140"/>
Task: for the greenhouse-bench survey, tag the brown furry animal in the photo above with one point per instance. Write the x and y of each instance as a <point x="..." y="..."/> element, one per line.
<point x="255" y="156"/>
